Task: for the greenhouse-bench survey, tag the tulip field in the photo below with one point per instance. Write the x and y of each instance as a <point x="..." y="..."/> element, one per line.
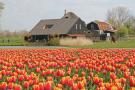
<point x="67" y="69"/>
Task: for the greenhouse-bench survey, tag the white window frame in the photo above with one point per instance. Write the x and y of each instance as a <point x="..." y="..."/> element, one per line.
<point x="80" y="26"/>
<point x="76" y="26"/>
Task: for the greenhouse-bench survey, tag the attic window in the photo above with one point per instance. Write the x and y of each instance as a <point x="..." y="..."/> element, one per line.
<point x="48" y="26"/>
<point x="66" y="17"/>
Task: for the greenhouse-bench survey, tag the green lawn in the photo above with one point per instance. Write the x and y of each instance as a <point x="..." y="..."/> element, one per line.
<point x="13" y="41"/>
<point x="19" y="41"/>
<point x="108" y="44"/>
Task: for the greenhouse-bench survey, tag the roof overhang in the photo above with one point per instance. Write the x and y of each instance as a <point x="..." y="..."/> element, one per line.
<point x="76" y="35"/>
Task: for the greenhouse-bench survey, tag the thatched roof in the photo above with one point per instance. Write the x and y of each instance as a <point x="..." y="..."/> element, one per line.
<point x="55" y="26"/>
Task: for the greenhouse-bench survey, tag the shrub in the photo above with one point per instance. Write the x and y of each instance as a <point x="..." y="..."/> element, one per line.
<point x="54" y="42"/>
<point x="131" y="32"/>
<point x="123" y="31"/>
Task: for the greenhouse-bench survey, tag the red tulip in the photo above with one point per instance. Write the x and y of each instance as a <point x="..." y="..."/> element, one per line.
<point x="21" y="78"/>
<point x="123" y="80"/>
<point x="3" y="72"/>
<point x="50" y="78"/>
<point x="38" y="70"/>
<point x="3" y="86"/>
<point x="41" y="85"/>
<point x="13" y="79"/>
<point x="70" y="82"/>
<point x="10" y="85"/>
<point x="132" y="81"/>
<point x="80" y="85"/>
<point x="83" y="73"/>
<point x="126" y="74"/>
<point x="26" y="84"/>
<point x="47" y="86"/>
<point x="113" y="76"/>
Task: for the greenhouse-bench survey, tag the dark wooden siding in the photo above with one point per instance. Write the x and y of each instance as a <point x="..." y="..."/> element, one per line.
<point x="79" y="30"/>
<point x="92" y="26"/>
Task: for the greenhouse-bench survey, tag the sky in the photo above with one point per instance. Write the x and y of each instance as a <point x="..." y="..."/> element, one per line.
<point x="25" y="14"/>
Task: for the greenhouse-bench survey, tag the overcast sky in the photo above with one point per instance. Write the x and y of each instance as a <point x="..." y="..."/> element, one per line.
<point x="25" y="14"/>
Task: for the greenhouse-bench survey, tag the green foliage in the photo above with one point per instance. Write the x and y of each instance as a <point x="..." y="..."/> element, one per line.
<point x="131" y="32"/>
<point x="123" y="31"/>
<point x="54" y="42"/>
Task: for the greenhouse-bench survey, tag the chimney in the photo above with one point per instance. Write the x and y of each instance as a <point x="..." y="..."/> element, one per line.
<point x="65" y="12"/>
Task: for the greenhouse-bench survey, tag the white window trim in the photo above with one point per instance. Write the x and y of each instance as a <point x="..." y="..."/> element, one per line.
<point x="76" y="26"/>
<point x="80" y="26"/>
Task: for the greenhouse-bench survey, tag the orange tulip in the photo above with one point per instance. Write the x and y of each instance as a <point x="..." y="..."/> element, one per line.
<point x="0" y="76"/>
<point x="132" y="88"/>
<point x="17" y="87"/>
<point x="74" y="87"/>
<point x="36" y="87"/>
<point x="96" y="80"/>
<point x="10" y="85"/>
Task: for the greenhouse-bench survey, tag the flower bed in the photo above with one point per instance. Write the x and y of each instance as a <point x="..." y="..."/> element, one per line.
<point x="67" y="69"/>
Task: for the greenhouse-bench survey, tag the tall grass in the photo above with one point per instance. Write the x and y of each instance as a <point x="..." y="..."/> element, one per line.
<point x="75" y="42"/>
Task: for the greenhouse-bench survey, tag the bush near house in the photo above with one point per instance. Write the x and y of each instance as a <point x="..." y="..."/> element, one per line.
<point x="123" y="31"/>
<point x="54" y="42"/>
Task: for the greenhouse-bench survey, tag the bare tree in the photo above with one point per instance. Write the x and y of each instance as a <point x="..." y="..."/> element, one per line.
<point x="118" y="16"/>
<point x="1" y="6"/>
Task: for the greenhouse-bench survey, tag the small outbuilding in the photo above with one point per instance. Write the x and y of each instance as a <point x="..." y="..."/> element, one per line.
<point x="102" y="30"/>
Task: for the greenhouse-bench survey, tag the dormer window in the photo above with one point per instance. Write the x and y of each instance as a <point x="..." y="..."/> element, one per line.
<point x="44" y="27"/>
<point x="48" y="26"/>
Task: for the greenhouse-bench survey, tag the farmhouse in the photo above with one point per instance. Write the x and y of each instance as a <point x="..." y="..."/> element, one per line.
<point x="103" y="30"/>
<point x="70" y="25"/>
